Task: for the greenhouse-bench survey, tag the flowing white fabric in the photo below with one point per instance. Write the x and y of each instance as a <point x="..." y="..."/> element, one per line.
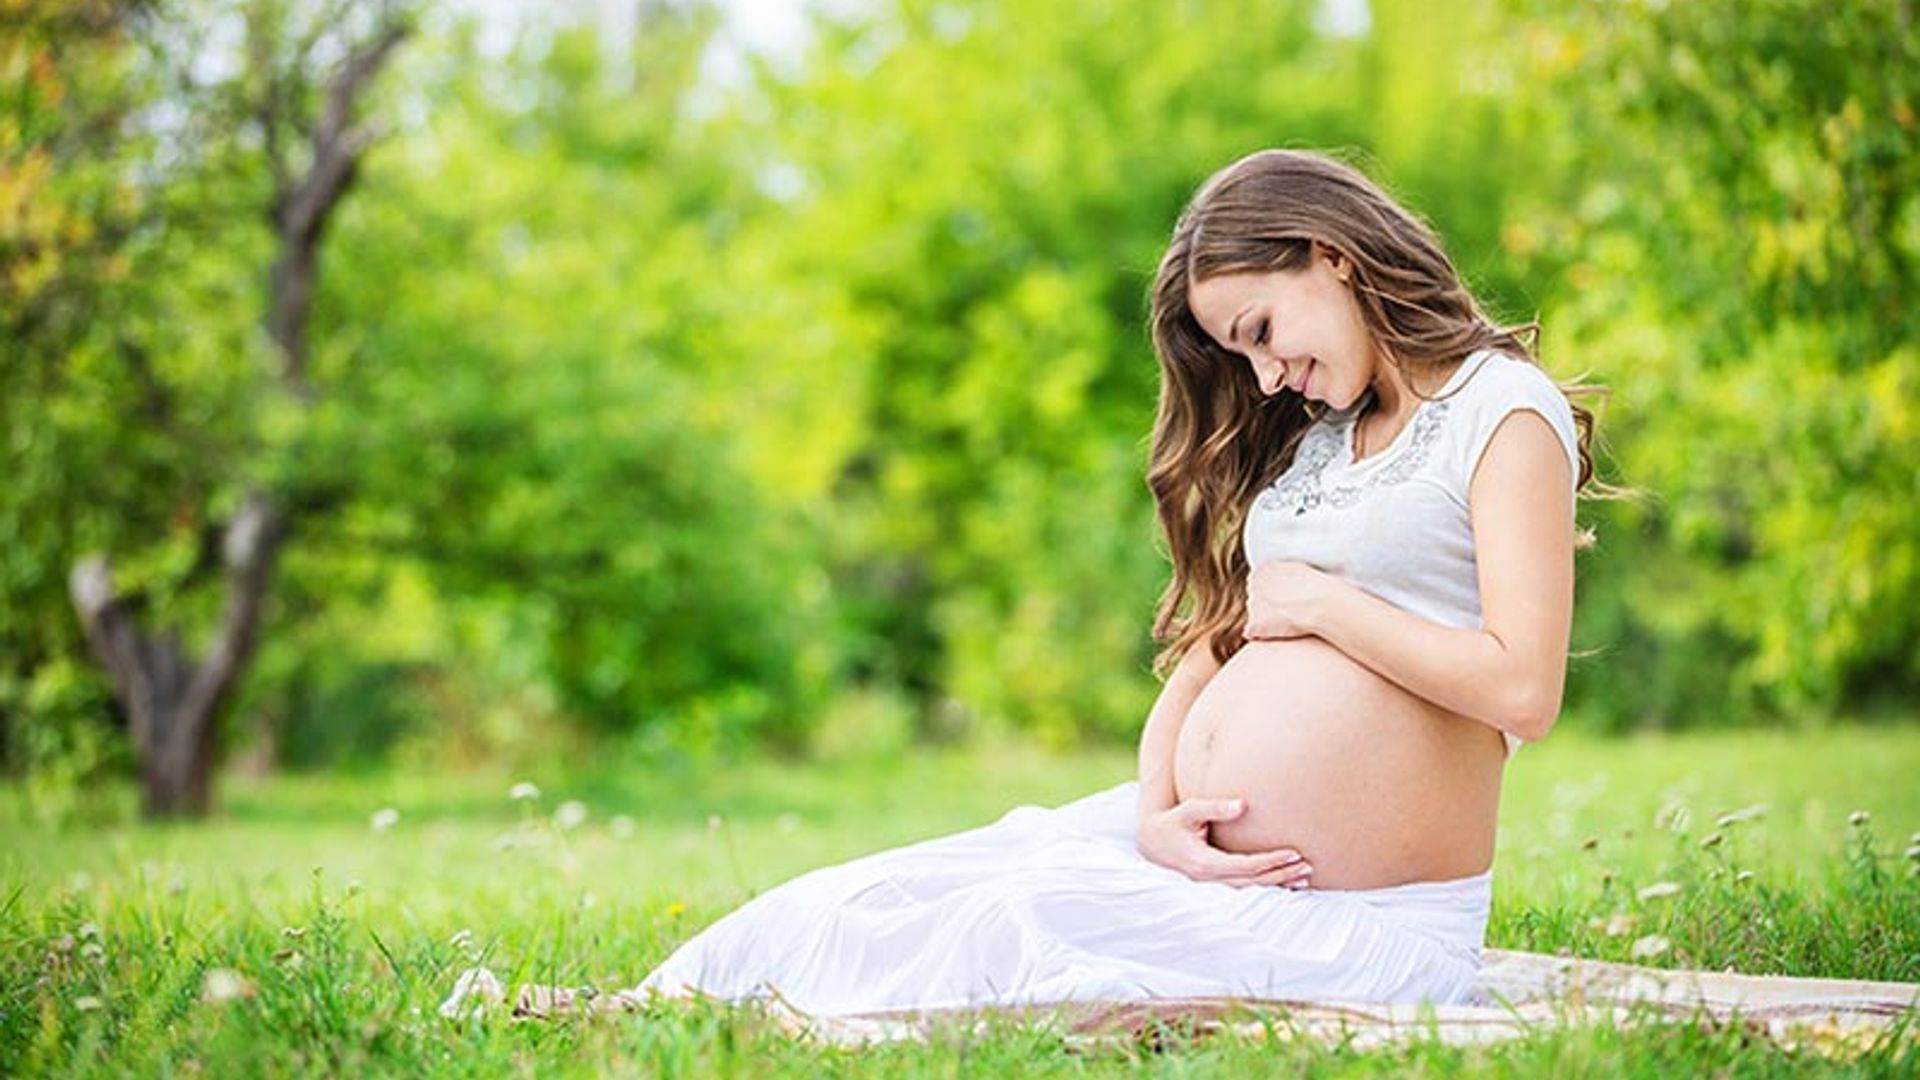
<point x="1056" y="904"/>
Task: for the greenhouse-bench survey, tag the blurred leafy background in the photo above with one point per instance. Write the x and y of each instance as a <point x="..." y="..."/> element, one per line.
<point x="674" y="398"/>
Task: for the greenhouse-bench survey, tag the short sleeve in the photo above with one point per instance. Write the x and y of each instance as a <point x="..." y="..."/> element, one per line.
<point x="1510" y="385"/>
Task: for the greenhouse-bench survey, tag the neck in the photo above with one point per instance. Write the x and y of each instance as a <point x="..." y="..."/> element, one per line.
<point x="1391" y="397"/>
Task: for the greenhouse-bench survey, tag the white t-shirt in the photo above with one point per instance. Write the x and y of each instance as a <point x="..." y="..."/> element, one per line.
<point x="1397" y="523"/>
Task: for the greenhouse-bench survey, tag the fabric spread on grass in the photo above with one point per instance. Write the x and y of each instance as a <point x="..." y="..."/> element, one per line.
<point x="1519" y="993"/>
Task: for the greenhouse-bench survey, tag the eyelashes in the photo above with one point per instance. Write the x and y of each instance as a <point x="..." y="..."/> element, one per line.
<point x="1261" y="337"/>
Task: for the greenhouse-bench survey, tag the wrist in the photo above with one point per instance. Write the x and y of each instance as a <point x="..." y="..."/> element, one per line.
<point x="1327" y="616"/>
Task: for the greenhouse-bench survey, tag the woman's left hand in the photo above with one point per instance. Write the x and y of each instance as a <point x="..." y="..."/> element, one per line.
<point x="1289" y="599"/>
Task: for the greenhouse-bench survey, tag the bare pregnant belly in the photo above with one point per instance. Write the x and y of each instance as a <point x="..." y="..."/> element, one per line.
<point x="1375" y="785"/>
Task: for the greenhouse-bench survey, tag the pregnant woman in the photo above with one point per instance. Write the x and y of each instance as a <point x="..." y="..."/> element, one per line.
<point x="1367" y="490"/>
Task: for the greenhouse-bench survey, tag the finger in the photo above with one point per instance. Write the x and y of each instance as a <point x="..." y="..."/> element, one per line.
<point x="1293" y="876"/>
<point x="1258" y="862"/>
<point x="1220" y="866"/>
<point x="1284" y="877"/>
<point x="1201" y="811"/>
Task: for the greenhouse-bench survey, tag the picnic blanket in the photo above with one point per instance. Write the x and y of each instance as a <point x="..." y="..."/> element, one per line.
<point x="1520" y="993"/>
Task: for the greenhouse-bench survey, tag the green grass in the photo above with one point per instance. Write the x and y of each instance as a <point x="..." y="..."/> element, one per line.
<point x="350" y="938"/>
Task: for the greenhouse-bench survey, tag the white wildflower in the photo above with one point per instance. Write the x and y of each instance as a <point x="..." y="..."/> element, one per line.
<point x="87" y="1004"/>
<point x="1745" y="813"/>
<point x="1858" y="818"/>
<point x="222" y="985"/>
<point x="384" y="819"/>
<point x="1650" y="946"/>
<point x="523" y="792"/>
<point x="570" y="814"/>
<point x="1660" y="890"/>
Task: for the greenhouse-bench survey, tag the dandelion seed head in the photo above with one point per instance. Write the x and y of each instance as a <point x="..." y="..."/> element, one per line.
<point x="714" y="822"/>
<point x="523" y="792"/>
<point x="384" y="819"/>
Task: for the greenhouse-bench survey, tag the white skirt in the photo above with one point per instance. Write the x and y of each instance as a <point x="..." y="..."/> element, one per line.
<point x="1053" y="905"/>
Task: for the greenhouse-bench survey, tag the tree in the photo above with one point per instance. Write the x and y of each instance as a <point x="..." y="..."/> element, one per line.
<point x="313" y="145"/>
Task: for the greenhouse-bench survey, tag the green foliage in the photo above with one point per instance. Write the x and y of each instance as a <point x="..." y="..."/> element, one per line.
<point x="658" y="412"/>
<point x="1739" y="233"/>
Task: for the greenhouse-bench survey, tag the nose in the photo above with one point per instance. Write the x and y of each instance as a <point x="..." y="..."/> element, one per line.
<point x="1272" y="377"/>
<point x="1269" y="375"/>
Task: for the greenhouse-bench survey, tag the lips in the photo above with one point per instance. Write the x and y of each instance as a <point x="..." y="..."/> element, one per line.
<point x="1306" y="376"/>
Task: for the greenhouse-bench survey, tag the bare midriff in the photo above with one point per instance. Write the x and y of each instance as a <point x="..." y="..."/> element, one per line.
<point x="1375" y="785"/>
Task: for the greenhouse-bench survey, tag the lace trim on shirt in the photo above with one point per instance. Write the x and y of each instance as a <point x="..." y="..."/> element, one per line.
<point x="1303" y="487"/>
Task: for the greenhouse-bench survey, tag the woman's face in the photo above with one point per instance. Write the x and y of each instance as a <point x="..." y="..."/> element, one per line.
<point x="1300" y="329"/>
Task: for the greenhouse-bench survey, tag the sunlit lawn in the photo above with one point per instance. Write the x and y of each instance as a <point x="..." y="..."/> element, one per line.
<point x="345" y="937"/>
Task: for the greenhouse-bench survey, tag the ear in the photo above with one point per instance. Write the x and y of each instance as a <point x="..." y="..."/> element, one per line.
<point x="1336" y="260"/>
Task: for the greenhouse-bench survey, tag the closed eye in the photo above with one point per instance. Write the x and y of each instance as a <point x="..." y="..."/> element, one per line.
<point x="1260" y="338"/>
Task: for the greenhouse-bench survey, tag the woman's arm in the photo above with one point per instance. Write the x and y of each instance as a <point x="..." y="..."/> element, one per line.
<point x="1510" y="674"/>
<point x="1196" y="668"/>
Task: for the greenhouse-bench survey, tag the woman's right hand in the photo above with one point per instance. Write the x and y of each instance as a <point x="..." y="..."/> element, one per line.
<point x="1176" y="838"/>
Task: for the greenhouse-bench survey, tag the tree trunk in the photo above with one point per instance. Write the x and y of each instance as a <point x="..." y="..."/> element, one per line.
<point x="172" y="700"/>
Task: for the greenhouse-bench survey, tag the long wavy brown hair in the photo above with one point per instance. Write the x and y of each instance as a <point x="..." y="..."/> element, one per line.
<point x="1217" y="441"/>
